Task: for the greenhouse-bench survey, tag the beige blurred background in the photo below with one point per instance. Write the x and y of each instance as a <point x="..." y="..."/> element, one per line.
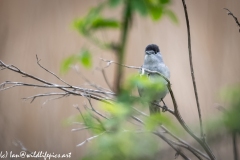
<point x="43" y="27"/>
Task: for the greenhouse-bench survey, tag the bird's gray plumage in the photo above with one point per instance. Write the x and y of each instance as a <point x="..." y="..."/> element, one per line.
<point x="153" y="61"/>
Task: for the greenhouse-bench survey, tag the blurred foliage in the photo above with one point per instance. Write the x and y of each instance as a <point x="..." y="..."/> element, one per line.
<point x="94" y="21"/>
<point x="230" y="117"/>
<point x="118" y="137"/>
<point x="84" y="58"/>
<point x="123" y="145"/>
<point x="231" y="95"/>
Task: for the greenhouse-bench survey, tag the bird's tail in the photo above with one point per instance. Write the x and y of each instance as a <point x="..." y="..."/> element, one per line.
<point x="153" y="108"/>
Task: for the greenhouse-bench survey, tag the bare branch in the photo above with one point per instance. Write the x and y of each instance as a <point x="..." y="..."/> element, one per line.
<point x="79" y="129"/>
<point x="88" y="81"/>
<point x="15" y="69"/>
<point x="170" y="144"/>
<point x="105" y="78"/>
<point x="192" y="70"/>
<point x="133" y="67"/>
<point x="137" y="119"/>
<point x="69" y="89"/>
<point x="186" y="147"/>
<point x="51" y="99"/>
<point x="235" y="147"/>
<point x="89" y="139"/>
<point x="235" y="18"/>
<point x="94" y="110"/>
<point x="144" y="114"/>
<point x="166" y="109"/>
<point x="44" y="95"/>
<point x="185" y="144"/>
<point x="38" y="62"/>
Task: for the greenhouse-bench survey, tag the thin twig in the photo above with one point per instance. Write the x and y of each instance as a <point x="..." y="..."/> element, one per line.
<point x="23" y="148"/>
<point x="38" y="62"/>
<point x="94" y="110"/>
<point x="109" y="62"/>
<point x="235" y="147"/>
<point x="186" y="145"/>
<point x="144" y="114"/>
<point x="44" y="95"/>
<point x="170" y="144"/>
<point x="185" y="126"/>
<point x="88" y="81"/>
<point x="192" y="70"/>
<point x="235" y="18"/>
<point x="202" y="140"/>
<point x="137" y="119"/>
<point x="55" y="98"/>
<point x="88" y="140"/>
<point x="127" y="15"/>
<point x="79" y="129"/>
<point x="105" y="78"/>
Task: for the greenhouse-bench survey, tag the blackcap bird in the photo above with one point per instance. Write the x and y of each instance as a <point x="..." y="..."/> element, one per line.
<point x="153" y="61"/>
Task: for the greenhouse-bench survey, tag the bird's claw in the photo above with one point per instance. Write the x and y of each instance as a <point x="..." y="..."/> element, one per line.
<point x="164" y="108"/>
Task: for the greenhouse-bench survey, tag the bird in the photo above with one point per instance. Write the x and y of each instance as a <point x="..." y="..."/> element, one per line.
<point x="153" y="61"/>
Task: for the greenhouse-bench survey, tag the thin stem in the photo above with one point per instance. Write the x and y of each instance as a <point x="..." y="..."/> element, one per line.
<point x="235" y="18"/>
<point x="170" y="144"/>
<point x="123" y="41"/>
<point x="201" y="141"/>
<point x="185" y="144"/>
<point x="184" y="125"/>
<point x="235" y="148"/>
<point x="192" y="71"/>
<point x="186" y="147"/>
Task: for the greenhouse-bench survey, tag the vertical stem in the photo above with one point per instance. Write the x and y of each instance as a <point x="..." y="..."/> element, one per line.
<point x="184" y="125"/>
<point x="122" y="46"/>
<point x="202" y="140"/>
<point x="192" y="71"/>
<point x="235" y="148"/>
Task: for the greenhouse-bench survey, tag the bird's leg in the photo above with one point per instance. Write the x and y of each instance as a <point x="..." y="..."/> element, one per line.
<point x="164" y="108"/>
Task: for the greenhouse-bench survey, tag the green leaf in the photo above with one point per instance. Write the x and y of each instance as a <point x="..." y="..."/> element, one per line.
<point x="116" y="109"/>
<point x="156" y="12"/>
<point x="231" y="116"/>
<point x="104" y="23"/>
<point x="95" y="125"/>
<point x="66" y="64"/>
<point x="85" y="58"/>
<point x="114" y="3"/>
<point x="140" y="6"/>
<point x="165" y="1"/>
<point x="171" y="15"/>
<point x="83" y="25"/>
<point x="153" y="121"/>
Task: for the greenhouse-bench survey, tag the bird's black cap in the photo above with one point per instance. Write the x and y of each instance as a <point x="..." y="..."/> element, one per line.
<point x="152" y="47"/>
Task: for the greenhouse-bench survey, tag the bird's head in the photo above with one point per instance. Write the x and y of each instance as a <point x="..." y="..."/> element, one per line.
<point x="152" y="49"/>
<point x="152" y="54"/>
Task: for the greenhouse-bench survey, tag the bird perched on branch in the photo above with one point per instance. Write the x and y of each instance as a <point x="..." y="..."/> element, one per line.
<point x="153" y="61"/>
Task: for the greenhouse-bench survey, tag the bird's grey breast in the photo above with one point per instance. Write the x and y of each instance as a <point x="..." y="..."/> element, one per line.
<point x="155" y="63"/>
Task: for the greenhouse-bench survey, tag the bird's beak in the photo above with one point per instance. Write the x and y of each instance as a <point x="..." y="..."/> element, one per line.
<point x="148" y="52"/>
